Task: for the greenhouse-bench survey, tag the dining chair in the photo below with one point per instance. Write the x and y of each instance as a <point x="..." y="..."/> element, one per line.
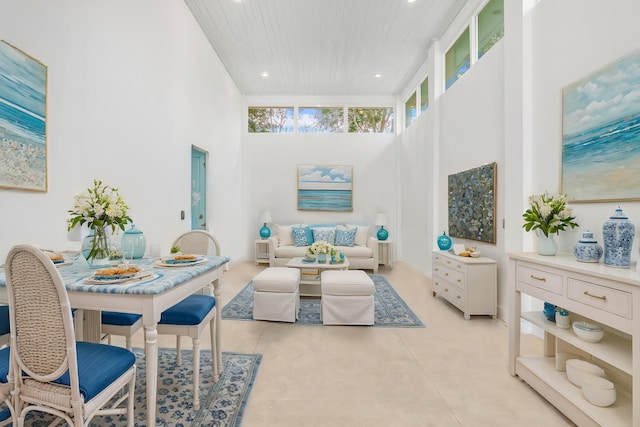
<point x="187" y="318"/>
<point x="53" y="373"/>
<point x="7" y="415"/>
<point x="4" y="325"/>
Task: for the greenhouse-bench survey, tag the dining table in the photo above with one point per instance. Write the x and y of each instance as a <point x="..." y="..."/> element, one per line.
<point x="158" y="286"/>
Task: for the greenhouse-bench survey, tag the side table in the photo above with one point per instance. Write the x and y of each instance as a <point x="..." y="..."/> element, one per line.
<point x="385" y="253"/>
<point x="262" y="252"/>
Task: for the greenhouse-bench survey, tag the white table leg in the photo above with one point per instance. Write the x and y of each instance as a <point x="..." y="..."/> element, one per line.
<point x="151" y="356"/>
<point x="216" y="292"/>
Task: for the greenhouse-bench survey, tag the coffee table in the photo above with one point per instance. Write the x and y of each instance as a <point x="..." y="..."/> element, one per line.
<point x="310" y="274"/>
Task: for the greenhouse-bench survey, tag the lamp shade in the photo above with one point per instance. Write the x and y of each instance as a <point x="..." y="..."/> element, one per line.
<point x="265" y="217"/>
<point x="381" y="219"/>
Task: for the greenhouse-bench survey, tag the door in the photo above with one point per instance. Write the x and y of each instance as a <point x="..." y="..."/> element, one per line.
<point x="198" y="189"/>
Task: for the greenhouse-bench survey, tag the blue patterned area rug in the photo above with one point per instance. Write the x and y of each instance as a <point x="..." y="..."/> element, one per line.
<point x="390" y="310"/>
<point x="222" y="404"/>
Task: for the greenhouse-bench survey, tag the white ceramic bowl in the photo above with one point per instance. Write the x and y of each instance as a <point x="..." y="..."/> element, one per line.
<point x="599" y="391"/>
<point x="588" y="331"/>
<point x="474" y="254"/>
<point x="579" y="370"/>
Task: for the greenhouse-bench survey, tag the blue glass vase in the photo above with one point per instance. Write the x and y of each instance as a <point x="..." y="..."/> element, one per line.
<point x="444" y="242"/>
<point x="133" y="240"/>
<point x="265" y="232"/>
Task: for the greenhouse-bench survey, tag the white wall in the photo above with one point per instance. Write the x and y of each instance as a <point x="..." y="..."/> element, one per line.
<point x="131" y="86"/>
<point x="271" y="161"/>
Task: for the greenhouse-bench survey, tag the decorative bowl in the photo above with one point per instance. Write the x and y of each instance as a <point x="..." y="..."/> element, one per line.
<point x="474" y="254"/>
<point x="599" y="391"/>
<point x="588" y="331"/>
<point x="578" y="371"/>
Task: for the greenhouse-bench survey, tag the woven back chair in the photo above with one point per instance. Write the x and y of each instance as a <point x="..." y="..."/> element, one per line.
<point x="198" y="242"/>
<point x="53" y="373"/>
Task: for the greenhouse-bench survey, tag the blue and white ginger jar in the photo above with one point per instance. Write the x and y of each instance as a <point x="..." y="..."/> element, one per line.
<point x="587" y="249"/>
<point x="618" y="233"/>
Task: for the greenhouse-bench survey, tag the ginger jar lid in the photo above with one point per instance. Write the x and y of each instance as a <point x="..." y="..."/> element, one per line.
<point x="587" y="237"/>
<point x="618" y="214"/>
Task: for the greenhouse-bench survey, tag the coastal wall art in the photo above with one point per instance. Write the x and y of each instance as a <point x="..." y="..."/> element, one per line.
<point x="601" y="134"/>
<point x="472" y="204"/>
<point x="23" y="111"/>
<point x="325" y="188"/>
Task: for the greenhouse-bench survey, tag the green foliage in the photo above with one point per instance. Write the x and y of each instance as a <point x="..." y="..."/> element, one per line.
<point x="549" y="214"/>
<point x="370" y="120"/>
<point x="268" y="119"/>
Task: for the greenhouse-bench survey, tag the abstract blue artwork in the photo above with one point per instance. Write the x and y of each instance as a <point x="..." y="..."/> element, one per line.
<point x="601" y="134"/>
<point x="472" y="204"/>
<point x="23" y="109"/>
<point x="325" y="188"/>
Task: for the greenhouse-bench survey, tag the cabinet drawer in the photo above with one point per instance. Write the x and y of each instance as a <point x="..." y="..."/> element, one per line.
<point x="450" y="275"/>
<point x="452" y="294"/>
<point x="608" y="299"/>
<point x="453" y="264"/>
<point x="540" y="279"/>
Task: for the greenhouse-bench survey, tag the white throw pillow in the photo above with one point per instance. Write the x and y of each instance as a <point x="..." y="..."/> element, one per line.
<point x="285" y="238"/>
<point x="362" y="235"/>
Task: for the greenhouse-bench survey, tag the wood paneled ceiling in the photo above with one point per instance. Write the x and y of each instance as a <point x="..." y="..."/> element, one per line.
<point x="323" y="47"/>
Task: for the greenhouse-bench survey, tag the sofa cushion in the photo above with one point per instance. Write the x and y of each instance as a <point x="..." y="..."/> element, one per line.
<point x="290" y="251"/>
<point x="302" y="236"/>
<point x="346" y="237"/>
<point x="362" y="234"/>
<point x="285" y="238"/>
<point x="326" y="234"/>
<point x="355" y="251"/>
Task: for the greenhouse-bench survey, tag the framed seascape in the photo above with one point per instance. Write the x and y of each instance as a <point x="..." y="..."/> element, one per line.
<point x="325" y="188"/>
<point x="472" y="204"/>
<point x="23" y="111"/>
<point x="601" y="134"/>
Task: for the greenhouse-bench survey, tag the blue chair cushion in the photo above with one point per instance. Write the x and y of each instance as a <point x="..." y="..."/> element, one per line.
<point x="189" y="311"/>
<point x="4" y="319"/>
<point x="98" y="366"/>
<point x="119" y="319"/>
<point x="5" y="414"/>
<point x="4" y="364"/>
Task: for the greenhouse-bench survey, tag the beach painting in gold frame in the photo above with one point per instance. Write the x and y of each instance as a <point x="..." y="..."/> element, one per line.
<point x="23" y="119"/>
<point x="601" y="134"/>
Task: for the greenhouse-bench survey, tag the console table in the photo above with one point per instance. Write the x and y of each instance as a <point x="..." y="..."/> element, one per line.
<point x="589" y="291"/>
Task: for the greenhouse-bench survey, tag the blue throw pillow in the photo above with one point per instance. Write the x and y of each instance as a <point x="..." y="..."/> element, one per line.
<point x="300" y="236"/>
<point x="328" y="235"/>
<point x="346" y="237"/>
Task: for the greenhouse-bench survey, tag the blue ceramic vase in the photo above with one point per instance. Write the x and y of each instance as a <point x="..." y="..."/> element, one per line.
<point x="587" y="249"/>
<point x="618" y="233"/>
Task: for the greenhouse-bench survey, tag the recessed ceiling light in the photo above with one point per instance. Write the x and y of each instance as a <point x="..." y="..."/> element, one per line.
<point x="264" y="74"/>
<point x="408" y="1"/>
<point x="377" y="75"/>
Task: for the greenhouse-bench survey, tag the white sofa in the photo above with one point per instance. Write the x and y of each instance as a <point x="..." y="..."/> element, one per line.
<point x="362" y="255"/>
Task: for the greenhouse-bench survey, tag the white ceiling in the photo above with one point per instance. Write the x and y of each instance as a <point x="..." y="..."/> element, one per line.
<point x="323" y="47"/>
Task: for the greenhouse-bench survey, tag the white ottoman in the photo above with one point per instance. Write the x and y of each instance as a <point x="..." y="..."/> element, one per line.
<point x="276" y="294"/>
<point x="347" y="298"/>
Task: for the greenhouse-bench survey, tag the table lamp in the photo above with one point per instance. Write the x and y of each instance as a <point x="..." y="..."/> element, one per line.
<point x="382" y="220"/>
<point x="265" y="217"/>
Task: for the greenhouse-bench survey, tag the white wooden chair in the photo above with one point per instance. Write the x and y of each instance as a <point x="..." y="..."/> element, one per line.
<point x="53" y="373"/>
<point x="187" y="318"/>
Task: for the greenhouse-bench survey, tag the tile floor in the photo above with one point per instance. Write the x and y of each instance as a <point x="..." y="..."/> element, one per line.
<point x="451" y="373"/>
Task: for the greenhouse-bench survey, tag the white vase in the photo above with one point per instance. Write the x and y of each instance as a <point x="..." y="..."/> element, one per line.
<point x="546" y="245"/>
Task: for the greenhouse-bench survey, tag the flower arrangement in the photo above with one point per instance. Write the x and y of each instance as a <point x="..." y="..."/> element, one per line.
<point x="99" y="207"/>
<point x="549" y="214"/>
<point x="320" y="247"/>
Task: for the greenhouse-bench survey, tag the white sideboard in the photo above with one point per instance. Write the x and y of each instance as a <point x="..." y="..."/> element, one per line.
<point x="468" y="283"/>
<point x="604" y="295"/>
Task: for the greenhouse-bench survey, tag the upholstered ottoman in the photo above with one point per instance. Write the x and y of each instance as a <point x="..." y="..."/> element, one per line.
<point x="347" y="298"/>
<point x="276" y="294"/>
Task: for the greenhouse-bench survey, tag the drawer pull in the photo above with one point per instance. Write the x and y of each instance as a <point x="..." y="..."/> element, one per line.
<point x="603" y="297"/>
<point x="448" y="262"/>
<point x="459" y="281"/>
<point x="542" y="279"/>
<point x="446" y="289"/>
<point x="458" y="297"/>
<point x="436" y="269"/>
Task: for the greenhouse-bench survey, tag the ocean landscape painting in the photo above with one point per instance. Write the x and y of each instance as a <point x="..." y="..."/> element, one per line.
<point x="601" y="134"/>
<point x="325" y="188"/>
<point x="23" y="108"/>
